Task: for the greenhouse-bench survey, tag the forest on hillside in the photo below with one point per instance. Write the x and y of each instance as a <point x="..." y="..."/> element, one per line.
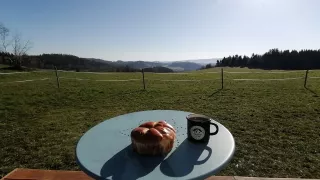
<point x="75" y="63"/>
<point x="63" y="61"/>
<point x="275" y="59"/>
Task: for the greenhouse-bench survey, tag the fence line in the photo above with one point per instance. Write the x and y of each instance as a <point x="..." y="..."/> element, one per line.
<point x="1" y="73"/>
<point x="174" y="73"/>
<point x="258" y="72"/>
<point x="119" y="80"/>
<point x="75" y="79"/>
<point x="173" y="80"/>
<point x="194" y="80"/>
<point x="283" y="79"/>
<point x="28" y="80"/>
<point x="99" y="79"/>
<point x="183" y="79"/>
<point x="87" y="72"/>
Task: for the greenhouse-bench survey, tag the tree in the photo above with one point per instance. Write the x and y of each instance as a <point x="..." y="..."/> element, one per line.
<point x="245" y="60"/>
<point x="218" y="63"/>
<point x="4" y="34"/>
<point x="208" y="66"/>
<point x="19" y="48"/>
<point x="277" y="59"/>
<point x="127" y="68"/>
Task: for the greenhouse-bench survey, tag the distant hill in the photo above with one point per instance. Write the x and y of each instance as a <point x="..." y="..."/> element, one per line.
<point x="158" y="69"/>
<point x="99" y="60"/>
<point x="183" y="65"/>
<point x="186" y="66"/>
<point x="175" y="66"/>
<point x="71" y="62"/>
<point x="212" y="61"/>
<point x="138" y="64"/>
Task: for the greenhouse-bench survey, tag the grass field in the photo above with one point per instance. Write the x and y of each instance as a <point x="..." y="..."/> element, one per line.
<point x="3" y="66"/>
<point x="275" y="122"/>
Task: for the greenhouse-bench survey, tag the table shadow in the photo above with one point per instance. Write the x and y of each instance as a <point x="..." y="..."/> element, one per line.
<point x="129" y="165"/>
<point x="182" y="161"/>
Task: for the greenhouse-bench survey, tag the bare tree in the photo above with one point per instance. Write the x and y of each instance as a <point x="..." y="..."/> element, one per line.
<point x="19" y="48"/>
<point x="4" y="34"/>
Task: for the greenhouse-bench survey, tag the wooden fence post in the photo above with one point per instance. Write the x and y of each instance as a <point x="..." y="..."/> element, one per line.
<point x="57" y="76"/>
<point x="306" y="78"/>
<point x="221" y="78"/>
<point x="144" y="84"/>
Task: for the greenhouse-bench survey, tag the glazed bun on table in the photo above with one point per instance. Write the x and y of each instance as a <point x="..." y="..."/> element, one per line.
<point x="153" y="138"/>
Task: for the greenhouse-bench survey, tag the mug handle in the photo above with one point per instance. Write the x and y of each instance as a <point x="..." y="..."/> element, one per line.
<point x="205" y="159"/>
<point x="217" y="128"/>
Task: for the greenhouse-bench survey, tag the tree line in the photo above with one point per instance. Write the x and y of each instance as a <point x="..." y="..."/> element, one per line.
<point x="71" y="62"/>
<point x="6" y="54"/>
<point x="158" y="69"/>
<point x="275" y="59"/>
<point x="207" y="66"/>
<point x="75" y="63"/>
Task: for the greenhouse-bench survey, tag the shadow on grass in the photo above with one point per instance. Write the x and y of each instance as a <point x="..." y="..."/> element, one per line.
<point x="314" y="93"/>
<point x="216" y="92"/>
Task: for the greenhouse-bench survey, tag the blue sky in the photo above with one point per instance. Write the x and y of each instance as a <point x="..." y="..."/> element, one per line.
<point x="163" y="30"/>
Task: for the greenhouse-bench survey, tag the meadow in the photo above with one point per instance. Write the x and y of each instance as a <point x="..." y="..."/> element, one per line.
<point x="275" y="122"/>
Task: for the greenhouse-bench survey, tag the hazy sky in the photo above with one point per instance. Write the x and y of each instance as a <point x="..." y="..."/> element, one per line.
<point x="163" y="29"/>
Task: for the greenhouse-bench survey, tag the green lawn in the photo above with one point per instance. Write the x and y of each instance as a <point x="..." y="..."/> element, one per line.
<point x="275" y="123"/>
<point x="3" y="66"/>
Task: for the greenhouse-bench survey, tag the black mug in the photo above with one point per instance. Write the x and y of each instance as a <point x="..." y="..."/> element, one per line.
<point x="199" y="128"/>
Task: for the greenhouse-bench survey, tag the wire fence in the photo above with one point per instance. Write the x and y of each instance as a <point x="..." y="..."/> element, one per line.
<point x="224" y="77"/>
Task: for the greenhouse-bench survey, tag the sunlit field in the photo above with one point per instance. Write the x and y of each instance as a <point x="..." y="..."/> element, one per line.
<point x="275" y="120"/>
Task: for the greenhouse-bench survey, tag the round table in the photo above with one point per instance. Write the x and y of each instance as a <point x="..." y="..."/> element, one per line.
<point x="105" y="152"/>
